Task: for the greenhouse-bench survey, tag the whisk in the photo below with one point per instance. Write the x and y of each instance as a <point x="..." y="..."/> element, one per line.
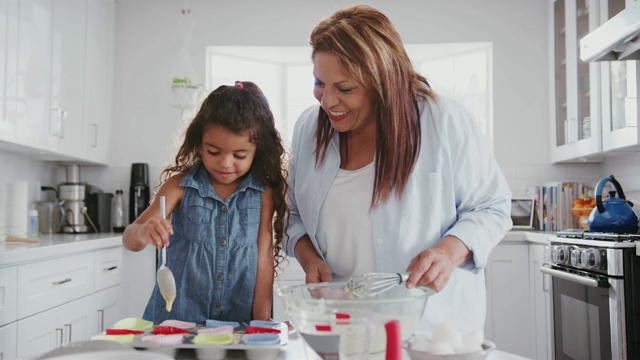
<point x="372" y="284"/>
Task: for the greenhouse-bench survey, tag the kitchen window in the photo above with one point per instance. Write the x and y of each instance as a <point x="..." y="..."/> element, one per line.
<point x="461" y="71"/>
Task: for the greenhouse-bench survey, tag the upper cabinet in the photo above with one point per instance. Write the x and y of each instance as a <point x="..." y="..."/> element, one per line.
<point x="593" y="104"/>
<point x="620" y="81"/>
<point x="8" y="68"/>
<point x="575" y="85"/>
<point x="61" y="105"/>
<point x="99" y="78"/>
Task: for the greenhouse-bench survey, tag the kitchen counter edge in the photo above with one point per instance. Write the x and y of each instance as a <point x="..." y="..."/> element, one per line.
<point x="56" y="245"/>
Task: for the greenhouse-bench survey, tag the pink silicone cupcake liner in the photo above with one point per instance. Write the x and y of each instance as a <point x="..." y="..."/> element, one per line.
<point x="220" y="330"/>
<point x="163" y="339"/>
<point x="178" y="324"/>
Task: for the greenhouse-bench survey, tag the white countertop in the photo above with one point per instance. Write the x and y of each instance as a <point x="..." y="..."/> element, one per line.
<point x="538" y="237"/>
<point x="16" y="253"/>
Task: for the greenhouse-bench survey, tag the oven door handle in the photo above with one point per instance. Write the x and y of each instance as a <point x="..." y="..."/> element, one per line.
<point x="570" y="277"/>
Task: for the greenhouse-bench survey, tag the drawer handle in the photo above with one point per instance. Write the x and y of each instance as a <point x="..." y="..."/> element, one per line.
<point x="61" y="282"/>
<point x="111" y="268"/>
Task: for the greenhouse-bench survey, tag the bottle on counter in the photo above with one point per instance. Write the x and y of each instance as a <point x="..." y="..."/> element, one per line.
<point x="118" y="213"/>
<point x="32" y="224"/>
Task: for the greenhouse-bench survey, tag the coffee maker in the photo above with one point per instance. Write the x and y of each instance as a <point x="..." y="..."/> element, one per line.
<point x="139" y="192"/>
<point x="72" y="197"/>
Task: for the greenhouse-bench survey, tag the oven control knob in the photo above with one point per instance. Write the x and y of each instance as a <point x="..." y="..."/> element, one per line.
<point x="560" y="254"/>
<point x="592" y="259"/>
<point x="576" y="258"/>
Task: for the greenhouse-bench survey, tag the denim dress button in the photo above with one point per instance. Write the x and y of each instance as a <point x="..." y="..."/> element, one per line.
<point x="223" y="242"/>
<point x="224" y="208"/>
<point x="216" y="306"/>
<point x="220" y="277"/>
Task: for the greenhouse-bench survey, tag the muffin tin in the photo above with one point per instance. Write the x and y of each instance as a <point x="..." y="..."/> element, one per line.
<point x="256" y="346"/>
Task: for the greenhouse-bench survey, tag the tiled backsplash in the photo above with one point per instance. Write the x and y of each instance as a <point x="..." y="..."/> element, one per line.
<point x="16" y="167"/>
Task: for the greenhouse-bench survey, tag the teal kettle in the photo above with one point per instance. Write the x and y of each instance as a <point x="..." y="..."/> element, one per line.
<point x="613" y="214"/>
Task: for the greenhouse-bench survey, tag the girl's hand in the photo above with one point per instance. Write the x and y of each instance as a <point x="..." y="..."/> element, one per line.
<point x="433" y="267"/>
<point x="155" y="232"/>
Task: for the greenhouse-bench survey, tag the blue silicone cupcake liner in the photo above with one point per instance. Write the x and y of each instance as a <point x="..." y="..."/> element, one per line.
<point x="264" y="323"/>
<point x="260" y="339"/>
<point x="217" y="323"/>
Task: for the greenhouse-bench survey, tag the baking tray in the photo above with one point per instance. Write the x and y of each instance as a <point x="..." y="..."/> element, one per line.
<point x="215" y="352"/>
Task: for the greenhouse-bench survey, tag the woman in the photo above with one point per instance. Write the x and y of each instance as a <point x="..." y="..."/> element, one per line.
<point x="388" y="177"/>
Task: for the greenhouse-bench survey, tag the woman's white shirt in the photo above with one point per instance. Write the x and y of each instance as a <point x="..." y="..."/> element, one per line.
<point x="456" y="188"/>
<point x="344" y="224"/>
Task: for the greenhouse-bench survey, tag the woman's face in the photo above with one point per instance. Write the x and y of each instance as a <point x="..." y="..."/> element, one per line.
<point x="349" y="106"/>
<point x="226" y="156"/>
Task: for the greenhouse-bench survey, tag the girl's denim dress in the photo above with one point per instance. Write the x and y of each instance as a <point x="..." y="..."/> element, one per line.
<point x="213" y="252"/>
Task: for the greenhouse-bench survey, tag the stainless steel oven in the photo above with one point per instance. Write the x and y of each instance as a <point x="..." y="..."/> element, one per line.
<point x="596" y="295"/>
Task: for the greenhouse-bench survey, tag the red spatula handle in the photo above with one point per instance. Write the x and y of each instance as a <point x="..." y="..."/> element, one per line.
<point x="394" y="340"/>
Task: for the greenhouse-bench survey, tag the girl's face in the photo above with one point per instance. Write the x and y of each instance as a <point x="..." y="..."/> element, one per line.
<point x="349" y="106"/>
<point x="226" y="156"/>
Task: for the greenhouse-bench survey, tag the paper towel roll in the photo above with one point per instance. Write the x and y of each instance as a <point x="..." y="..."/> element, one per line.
<point x="14" y="201"/>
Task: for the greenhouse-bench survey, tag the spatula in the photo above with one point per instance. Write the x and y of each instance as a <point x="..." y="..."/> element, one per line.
<point x="166" y="281"/>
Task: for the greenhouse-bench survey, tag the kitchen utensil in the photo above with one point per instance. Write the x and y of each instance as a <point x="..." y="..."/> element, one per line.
<point x="312" y="305"/>
<point x="52" y="214"/>
<point x="139" y="191"/>
<point x="166" y="281"/>
<point x="612" y="214"/>
<point x="417" y="354"/>
<point x="372" y="284"/>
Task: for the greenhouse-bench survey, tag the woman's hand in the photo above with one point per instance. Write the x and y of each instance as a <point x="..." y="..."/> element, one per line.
<point x="433" y="267"/>
<point x="316" y="269"/>
<point x="317" y="272"/>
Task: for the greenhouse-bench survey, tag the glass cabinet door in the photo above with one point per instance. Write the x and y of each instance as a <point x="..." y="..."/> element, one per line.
<point x="619" y="93"/>
<point x="576" y="124"/>
<point x="560" y="65"/>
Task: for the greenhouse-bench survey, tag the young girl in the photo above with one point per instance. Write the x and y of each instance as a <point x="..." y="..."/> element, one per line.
<point x="225" y="202"/>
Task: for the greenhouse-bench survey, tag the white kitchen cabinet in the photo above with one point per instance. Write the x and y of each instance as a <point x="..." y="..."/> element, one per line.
<point x="541" y="316"/>
<point x="56" y="327"/>
<point x="575" y="85"/>
<point x="66" y="293"/>
<point x="8" y="295"/>
<point x="508" y="323"/>
<point x="45" y="284"/>
<point x="106" y="309"/>
<point x="33" y="100"/>
<point x="8" y="68"/>
<point x="99" y="78"/>
<point x="620" y="102"/>
<point x="56" y="98"/>
<point x="67" y="75"/>
<point x="8" y="341"/>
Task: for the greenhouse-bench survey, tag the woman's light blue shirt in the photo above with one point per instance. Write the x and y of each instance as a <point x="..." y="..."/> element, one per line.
<point x="213" y="252"/>
<point x="456" y="188"/>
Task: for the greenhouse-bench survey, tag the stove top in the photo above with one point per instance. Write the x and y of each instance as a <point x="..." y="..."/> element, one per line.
<point x="584" y="234"/>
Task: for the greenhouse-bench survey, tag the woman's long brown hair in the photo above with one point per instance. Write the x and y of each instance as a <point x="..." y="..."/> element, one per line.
<point x="370" y="51"/>
<point x="244" y="110"/>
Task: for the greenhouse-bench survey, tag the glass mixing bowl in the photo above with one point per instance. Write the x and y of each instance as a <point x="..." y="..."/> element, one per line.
<point x="313" y="308"/>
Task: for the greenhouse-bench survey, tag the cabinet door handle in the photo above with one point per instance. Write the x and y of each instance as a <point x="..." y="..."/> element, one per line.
<point x="110" y="268"/>
<point x="54" y="122"/>
<point x="100" y="321"/>
<point x="61" y="281"/>
<point x="58" y="337"/>
<point x="95" y="135"/>
<point x="62" y="125"/>
<point x="67" y="328"/>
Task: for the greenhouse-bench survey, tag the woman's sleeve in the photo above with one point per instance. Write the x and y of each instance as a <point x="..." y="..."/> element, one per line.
<point x="295" y="228"/>
<point x="483" y="197"/>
